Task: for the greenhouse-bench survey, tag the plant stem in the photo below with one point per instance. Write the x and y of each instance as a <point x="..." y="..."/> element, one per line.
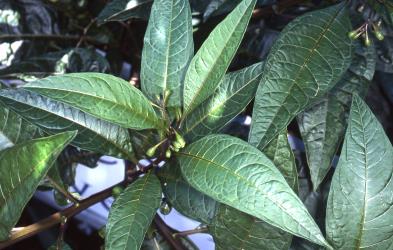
<point x="167" y="233"/>
<point x="48" y="36"/>
<point x="56" y="218"/>
<point x="64" y="192"/>
<point x="189" y="232"/>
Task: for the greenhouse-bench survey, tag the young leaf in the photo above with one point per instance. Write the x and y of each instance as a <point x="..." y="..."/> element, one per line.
<point x="54" y="117"/>
<point x="22" y="167"/>
<point x="359" y="211"/>
<point x="209" y="65"/>
<point x="13" y="129"/>
<point x="132" y="212"/>
<point x="239" y="175"/>
<point x="101" y="95"/>
<point x="233" y="229"/>
<point x="185" y="198"/>
<point x="167" y="50"/>
<point x="306" y="61"/>
<point x="230" y="98"/>
<point x="323" y="125"/>
<point x="122" y="10"/>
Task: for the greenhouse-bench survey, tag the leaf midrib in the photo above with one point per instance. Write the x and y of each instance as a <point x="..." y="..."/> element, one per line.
<point x="76" y="123"/>
<point x="124" y="106"/>
<point x="252" y="186"/>
<point x="220" y="104"/>
<point x="215" y="63"/>
<point x="300" y="71"/>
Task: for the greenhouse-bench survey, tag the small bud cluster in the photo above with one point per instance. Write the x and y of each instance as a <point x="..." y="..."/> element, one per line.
<point x="363" y="30"/>
<point x="175" y="145"/>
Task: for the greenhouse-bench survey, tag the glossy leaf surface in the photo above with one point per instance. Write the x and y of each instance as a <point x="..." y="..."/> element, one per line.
<point x="306" y="61"/>
<point x="239" y="175"/>
<point x="103" y="96"/>
<point x="55" y="117"/>
<point x="167" y="50"/>
<point x="360" y="210"/>
<point x="22" y="167"/>
<point x="132" y="212"/>
<point x="13" y="129"/>
<point x="323" y="125"/>
<point x="231" y="97"/>
<point x="233" y="229"/>
<point x="212" y="60"/>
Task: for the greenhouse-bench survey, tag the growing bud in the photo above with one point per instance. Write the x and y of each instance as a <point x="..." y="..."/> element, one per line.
<point x="179" y="140"/>
<point x="378" y="34"/>
<point x="352" y="34"/>
<point x="168" y="153"/>
<point x="165" y="209"/>
<point x="367" y="41"/>
<point x="116" y="191"/>
<point x="173" y="148"/>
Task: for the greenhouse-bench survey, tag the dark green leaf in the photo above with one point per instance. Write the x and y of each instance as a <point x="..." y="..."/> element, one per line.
<point x="280" y="153"/>
<point x="54" y="117"/>
<point x="217" y="7"/>
<point x="233" y="229"/>
<point x="209" y="65"/>
<point x="168" y="48"/>
<point x="359" y="212"/>
<point x="306" y="61"/>
<point x="104" y="96"/>
<point x="185" y="198"/>
<point x="22" y="167"/>
<point x="239" y="175"/>
<point x="132" y="212"/>
<point x="231" y="97"/>
<point x="323" y="125"/>
<point x="122" y="10"/>
<point x="13" y="129"/>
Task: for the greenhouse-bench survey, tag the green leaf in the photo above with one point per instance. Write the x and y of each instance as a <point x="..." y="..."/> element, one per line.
<point x="280" y="153"/>
<point x="323" y="125"/>
<point x="103" y="96"/>
<point x="13" y="129"/>
<point x="22" y="167"/>
<point x="55" y="117"/>
<point x="132" y="212"/>
<point x="185" y="198"/>
<point x="231" y="97"/>
<point x="359" y="211"/>
<point x="212" y="60"/>
<point x="167" y="50"/>
<point x="239" y="175"/>
<point x="233" y="229"/>
<point x="306" y="61"/>
<point x="122" y="10"/>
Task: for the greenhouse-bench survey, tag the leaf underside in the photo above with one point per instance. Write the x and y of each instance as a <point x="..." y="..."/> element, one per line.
<point x="100" y="95"/>
<point x="54" y="117"/>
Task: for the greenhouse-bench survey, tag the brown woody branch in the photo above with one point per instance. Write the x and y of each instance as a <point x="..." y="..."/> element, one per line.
<point x="56" y="218"/>
<point x="49" y="37"/>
